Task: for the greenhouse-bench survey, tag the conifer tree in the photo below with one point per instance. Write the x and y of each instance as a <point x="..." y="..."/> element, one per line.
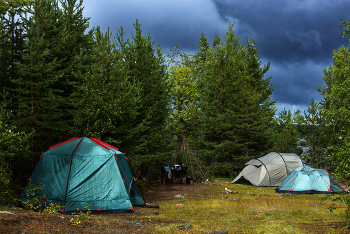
<point x="315" y="135"/>
<point x="146" y="67"/>
<point x="236" y="104"/>
<point x="48" y="86"/>
<point x="336" y="109"/>
<point x="40" y="99"/>
<point x="109" y="98"/>
<point x="11" y="43"/>
<point x="286" y="134"/>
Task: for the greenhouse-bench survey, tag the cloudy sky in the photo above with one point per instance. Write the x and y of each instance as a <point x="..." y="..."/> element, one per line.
<point x="296" y="36"/>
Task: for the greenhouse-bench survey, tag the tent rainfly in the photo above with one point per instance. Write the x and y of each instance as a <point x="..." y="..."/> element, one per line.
<point x="84" y="172"/>
<point x="309" y="180"/>
<point x="269" y="170"/>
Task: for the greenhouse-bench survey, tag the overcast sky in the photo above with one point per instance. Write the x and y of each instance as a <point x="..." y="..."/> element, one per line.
<point x="296" y="36"/>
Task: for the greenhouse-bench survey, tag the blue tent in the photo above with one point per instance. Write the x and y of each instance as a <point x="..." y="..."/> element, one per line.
<point x="86" y="171"/>
<point x="309" y="180"/>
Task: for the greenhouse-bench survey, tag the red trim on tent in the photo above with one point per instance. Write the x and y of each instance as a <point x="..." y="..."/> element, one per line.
<point x="134" y="178"/>
<point x="41" y="154"/>
<point x="98" y="209"/>
<point x="29" y="178"/>
<point x="330" y="183"/>
<point x="329" y="190"/>
<point x="104" y="143"/>
<point x="132" y="208"/>
<point x="97" y="142"/>
<point x="291" y="190"/>
<point x="64" y="142"/>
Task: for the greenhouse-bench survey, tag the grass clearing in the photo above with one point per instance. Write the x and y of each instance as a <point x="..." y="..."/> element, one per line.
<point x="206" y="208"/>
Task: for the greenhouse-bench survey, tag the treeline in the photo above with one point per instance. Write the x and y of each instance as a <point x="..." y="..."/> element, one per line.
<point x="211" y="110"/>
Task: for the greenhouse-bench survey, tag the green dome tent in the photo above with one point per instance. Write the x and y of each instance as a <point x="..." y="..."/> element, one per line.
<point x="309" y="180"/>
<point x="85" y="171"/>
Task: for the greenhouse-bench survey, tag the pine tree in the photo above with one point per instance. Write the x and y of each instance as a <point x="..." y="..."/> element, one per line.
<point x="335" y="107"/>
<point x="11" y="44"/>
<point x="315" y="135"/>
<point x="286" y="135"/>
<point x="48" y="87"/>
<point x="40" y="99"/>
<point x="146" y="67"/>
<point x="236" y="104"/>
<point x="109" y="98"/>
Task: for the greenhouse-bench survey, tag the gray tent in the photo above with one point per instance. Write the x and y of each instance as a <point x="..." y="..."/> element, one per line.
<point x="269" y="170"/>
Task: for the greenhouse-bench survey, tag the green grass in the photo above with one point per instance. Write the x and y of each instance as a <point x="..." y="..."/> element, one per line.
<point x="206" y="207"/>
<point x="252" y="210"/>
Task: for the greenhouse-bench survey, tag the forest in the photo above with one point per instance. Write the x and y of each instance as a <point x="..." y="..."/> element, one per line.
<point x="211" y="111"/>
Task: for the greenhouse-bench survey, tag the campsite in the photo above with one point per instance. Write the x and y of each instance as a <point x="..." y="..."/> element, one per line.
<point x="206" y="209"/>
<point x="108" y="132"/>
<point x="85" y="185"/>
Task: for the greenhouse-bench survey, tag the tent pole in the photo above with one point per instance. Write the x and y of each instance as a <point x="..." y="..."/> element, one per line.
<point x="70" y="166"/>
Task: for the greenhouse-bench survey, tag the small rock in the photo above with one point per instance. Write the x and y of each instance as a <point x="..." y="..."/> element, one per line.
<point x="156" y="213"/>
<point x="186" y="226"/>
<point x="217" y="232"/>
<point x="179" y="196"/>
<point x="9" y="213"/>
<point x="236" y="199"/>
<point x="151" y="206"/>
<point x="261" y="194"/>
<point x="134" y="223"/>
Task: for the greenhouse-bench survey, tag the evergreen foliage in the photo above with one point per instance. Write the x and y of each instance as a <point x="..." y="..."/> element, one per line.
<point x="109" y="98"/>
<point x="13" y="146"/>
<point x="286" y="132"/>
<point x="11" y="43"/>
<point x="184" y="108"/>
<point x="214" y="105"/>
<point x="335" y="106"/>
<point x="314" y="132"/>
<point x="235" y="101"/>
<point x="146" y="67"/>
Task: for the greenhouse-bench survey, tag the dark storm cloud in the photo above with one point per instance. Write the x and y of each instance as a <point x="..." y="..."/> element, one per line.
<point x="296" y="36"/>
<point x="291" y="30"/>
<point x="168" y="22"/>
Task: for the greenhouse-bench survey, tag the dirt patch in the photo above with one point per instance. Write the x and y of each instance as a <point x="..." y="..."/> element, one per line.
<point x="321" y="227"/>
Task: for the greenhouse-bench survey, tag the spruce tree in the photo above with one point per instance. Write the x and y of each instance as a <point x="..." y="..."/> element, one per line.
<point x="286" y="133"/>
<point x="39" y="99"/>
<point x="146" y="67"/>
<point x="11" y="44"/>
<point x="236" y="104"/>
<point x="315" y="135"/>
<point x="109" y="98"/>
